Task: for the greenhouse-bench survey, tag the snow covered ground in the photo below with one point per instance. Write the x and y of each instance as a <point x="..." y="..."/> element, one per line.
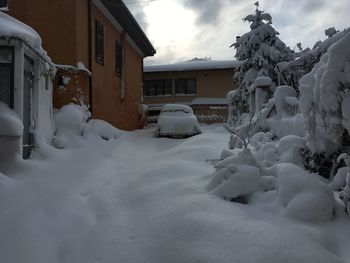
<point x="144" y="199"/>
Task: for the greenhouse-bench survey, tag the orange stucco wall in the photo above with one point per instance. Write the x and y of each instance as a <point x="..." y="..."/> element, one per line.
<point x="210" y="84"/>
<point x="63" y="26"/>
<point x="76" y="91"/>
<point x="55" y="22"/>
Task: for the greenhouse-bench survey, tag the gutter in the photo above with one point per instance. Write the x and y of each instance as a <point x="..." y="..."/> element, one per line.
<point x="90" y="53"/>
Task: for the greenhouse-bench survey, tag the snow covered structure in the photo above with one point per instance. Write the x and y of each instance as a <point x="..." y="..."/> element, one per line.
<point x="26" y="74"/>
<point x="259" y="50"/>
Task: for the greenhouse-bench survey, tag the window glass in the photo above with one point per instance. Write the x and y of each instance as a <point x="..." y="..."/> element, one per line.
<point x="99" y="43"/>
<point x="6" y="75"/>
<point x="160" y="87"/>
<point x="6" y="55"/>
<point x="186" y="86"/>
<point x="167" y="87"/>
<point x="3" y="3"/>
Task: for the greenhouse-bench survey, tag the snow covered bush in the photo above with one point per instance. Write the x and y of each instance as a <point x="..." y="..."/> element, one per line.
<point x="325" y="99"/>
<point x="100" y="129"/>
<point x="259" y="50"/>
<point x="304" y="196"/>
<point x="74" y="127"/>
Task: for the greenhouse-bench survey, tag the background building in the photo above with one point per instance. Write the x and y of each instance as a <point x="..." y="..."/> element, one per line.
<point x="201" y="83"/>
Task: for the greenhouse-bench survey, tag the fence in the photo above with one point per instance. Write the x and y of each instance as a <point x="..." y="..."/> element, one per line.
<point x="210" y="114"/>
<point x="206" y="113"/>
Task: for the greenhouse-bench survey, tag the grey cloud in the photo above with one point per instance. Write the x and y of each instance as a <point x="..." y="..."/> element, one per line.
<point x="208" y="10"/>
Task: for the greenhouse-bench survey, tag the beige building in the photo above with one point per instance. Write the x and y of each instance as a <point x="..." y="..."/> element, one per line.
<point x="188" y="81"/>
<point x="201" y="83"/>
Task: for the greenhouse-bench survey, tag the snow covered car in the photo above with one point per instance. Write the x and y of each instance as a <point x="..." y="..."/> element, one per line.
<point x="177" y="120"/>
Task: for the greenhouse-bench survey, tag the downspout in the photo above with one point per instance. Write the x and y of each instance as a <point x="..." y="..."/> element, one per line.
<point x="122" y="90"/>
<point x="90" y="54"/>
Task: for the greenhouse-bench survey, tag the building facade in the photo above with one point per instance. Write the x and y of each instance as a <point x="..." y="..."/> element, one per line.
<point x="200" y="83"/>
<point x="99" y="49"/>
<point x="187" y="82"/>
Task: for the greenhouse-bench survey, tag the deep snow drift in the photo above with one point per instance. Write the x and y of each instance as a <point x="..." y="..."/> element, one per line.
<point x="144" y="199"/>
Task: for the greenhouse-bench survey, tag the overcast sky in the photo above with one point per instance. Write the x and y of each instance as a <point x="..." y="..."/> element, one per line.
<point x="183" y="29"/>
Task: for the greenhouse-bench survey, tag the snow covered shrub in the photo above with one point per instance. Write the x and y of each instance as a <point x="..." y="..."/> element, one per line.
<point x="70" y="121"/>
<point x="259" y="50"/>
<point x="318" y="162"/>
<point x="235" y="182"/>
<point x="100" y="129"/>
<point x="74" y="127"/>
<point x="303" y="195"/>
<point x="325" y="99"/>
<point x="236" y="177"/>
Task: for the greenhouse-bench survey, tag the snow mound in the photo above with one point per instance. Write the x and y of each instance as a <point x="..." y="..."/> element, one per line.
<point x="101" y="129"/>
<point x="339" y="180"/>
<point x="235" y="181"/>
<point x="73" y="127"/>
<point x="11" y="125"/>
<point x="289" y="149"/>
<point x="303" y="195"/>
<point x="72" y="116"/>
<point x="244" y="157"/>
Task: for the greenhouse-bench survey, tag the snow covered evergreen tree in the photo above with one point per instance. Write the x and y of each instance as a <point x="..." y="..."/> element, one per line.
<point x="259" y="50"/>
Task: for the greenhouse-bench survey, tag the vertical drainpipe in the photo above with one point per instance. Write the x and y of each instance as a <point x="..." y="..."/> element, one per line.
<point x="90" y="53"/>
<point x="122" y="90"/>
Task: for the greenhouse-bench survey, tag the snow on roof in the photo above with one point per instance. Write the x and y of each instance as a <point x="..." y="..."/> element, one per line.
<point x="195" y="64"/>
<point x="13" y="28"/>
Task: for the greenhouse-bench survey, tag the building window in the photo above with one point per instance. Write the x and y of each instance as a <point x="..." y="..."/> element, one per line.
<point x="159" y="87"/>
<point x="99" y="43"/>
<point x="6" y="75"/>
<point x="118" y="59"/>
<point x="3" y="3"/>
<point x="186" y="86"/>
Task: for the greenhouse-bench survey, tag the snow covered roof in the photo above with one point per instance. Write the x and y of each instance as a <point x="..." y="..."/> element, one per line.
<point x="13" y="28"/>
<point x="192" y="65"/>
